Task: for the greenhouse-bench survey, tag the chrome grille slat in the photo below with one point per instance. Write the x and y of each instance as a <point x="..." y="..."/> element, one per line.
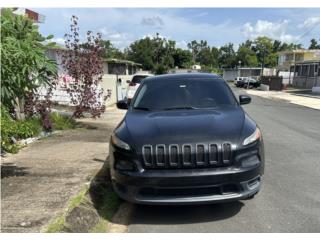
<point x="147" y="155"/>
<point x="201" y="153"/>
<point x="226" y="153"/>
<point x="161" y="156"/>
<point x="187" y="155"/>
<point x="174" y="155"/>
<point x="213" y="154"/>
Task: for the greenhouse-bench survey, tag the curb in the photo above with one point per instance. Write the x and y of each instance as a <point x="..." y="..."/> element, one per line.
<point x="99" y="209"/>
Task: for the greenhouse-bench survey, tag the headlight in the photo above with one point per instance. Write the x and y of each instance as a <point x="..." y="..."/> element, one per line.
<point x="253" y="137"/>
<point x="119" y="143"/>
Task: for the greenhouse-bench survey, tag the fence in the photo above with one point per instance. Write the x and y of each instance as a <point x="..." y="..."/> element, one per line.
<point x="274" y="82"/>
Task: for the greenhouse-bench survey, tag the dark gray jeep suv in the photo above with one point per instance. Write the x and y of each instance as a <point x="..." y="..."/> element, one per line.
<point x="185" y="139"/>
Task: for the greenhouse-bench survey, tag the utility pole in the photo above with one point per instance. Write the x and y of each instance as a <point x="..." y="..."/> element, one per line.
<point x="263" y="56"/>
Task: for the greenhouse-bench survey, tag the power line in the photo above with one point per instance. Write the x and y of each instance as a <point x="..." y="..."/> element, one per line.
<point x="307" y="32"/>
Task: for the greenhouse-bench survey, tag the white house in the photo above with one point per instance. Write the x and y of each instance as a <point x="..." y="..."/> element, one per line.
<point x="114" y="80"/>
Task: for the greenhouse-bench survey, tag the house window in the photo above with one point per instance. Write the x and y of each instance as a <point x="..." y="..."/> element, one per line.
<point x="311" y="71"/>
<point x="304" y="71"/>
<point x="132" y="69"/>
<point x="299" y="57"/>
<point x="297" y="71"/>
<point x="117" y="68"/>
<point x="291" y="68"/>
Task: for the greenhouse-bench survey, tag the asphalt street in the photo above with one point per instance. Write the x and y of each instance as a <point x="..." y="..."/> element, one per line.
<point x="289" y="200"/>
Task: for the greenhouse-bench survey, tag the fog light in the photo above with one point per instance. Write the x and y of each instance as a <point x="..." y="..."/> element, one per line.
<point x="251" y="161"/>
<point x="124" y="165"/>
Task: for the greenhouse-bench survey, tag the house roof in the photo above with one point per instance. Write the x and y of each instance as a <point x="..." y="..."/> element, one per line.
<point x="300" y="51"/>
<point x="114" y="60"/>
<point x="307" y="61"/>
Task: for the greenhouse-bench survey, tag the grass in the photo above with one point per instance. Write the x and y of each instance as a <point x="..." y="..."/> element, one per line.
<point x="60" y="122"/>
<point x="102" y="199"/>
<point x="80" y="198"/>
<point x="101" y="227"/>
<point x="109" y="205"/>
<point x="59" y="223"/>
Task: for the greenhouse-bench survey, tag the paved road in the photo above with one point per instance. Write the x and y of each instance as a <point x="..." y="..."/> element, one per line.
<point x="290" y="196"/>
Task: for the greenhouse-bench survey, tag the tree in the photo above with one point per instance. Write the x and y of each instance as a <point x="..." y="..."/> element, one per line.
<point x="194" y="47"/>
<point x="24" y="66"/>
<point x="314" y="44"/>
<point x="279" y="46"/>
<point x="214" y="57"/>
<point x="182" y="58"/>
<point x="265" y="53"/>
<point x="111" y="51"/>
<point x="84" y="64"/>
<point x="247" y="57"/>
<point x="156" y="54"/>
<point x="227" y="56"/>
<point x="142" y="51"/>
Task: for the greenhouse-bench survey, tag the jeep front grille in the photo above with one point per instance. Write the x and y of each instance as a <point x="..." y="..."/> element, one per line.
<point x="162" y="156"/>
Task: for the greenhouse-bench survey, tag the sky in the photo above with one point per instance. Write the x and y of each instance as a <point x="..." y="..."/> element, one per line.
<point x="218" y="26"/>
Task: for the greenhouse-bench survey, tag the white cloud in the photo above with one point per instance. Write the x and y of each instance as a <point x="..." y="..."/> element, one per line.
<point x="155" y="22"/>
<point x="182" y="44"/>
<point x="201" y="14"/>
<point x="118" y="39"/>
<point x="133" y="25"/>
<point x="274" y="30"/>
<point x="310" y="22"/>
<point x="57" y="40"/>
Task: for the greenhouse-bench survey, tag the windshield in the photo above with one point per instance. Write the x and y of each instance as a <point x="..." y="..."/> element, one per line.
<point x="183" y="94"/>
<point x="138" y="78"/>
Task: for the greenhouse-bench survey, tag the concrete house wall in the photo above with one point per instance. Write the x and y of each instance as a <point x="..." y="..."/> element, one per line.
<point x="111" y="81"/>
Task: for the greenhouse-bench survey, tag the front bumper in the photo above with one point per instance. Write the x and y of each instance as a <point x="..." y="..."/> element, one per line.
<point x="186" y="186"/>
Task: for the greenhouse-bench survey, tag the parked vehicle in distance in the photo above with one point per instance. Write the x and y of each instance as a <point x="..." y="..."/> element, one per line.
<point x="243" y="82"/>
<point x="239" y="80"/>
<point x="185" y="139"/>
<point x="135" y="83"/>
<point x="253" y="83"/>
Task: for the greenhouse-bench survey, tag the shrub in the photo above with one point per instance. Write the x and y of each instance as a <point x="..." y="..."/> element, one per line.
<point x="12" y="130"/>
<point x="28" y="128"/>
<point x="15" y="130"/>
<point x="60" y="122"/>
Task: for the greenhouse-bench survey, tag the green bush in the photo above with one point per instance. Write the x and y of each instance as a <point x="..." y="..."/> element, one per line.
<point x="7" y="128"/>
<point x="17" y="130"/>
<point x="60" y="122"/>
<point x="30" y="127"/>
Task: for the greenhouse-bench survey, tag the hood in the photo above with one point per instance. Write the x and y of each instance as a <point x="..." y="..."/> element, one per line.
<point x="185" y="126"/>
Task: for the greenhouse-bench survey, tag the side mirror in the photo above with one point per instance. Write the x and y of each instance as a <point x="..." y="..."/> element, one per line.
<point x="122" y="104"/>
<point x="128" y="81"/>
<point x="244" y="99"/>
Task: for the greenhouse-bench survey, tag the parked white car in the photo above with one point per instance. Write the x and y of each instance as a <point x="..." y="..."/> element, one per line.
<point x="135" y="83"/>
<point x="239" y="79"/>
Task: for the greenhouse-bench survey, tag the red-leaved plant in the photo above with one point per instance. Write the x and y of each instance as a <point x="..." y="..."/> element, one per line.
<point x="83" y="62"/>
<point x="38" y="103"/>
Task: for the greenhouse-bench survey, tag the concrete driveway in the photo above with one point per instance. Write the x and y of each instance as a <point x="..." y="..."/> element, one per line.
<point x="290" y="196"/>
<point x="38" y="182"/>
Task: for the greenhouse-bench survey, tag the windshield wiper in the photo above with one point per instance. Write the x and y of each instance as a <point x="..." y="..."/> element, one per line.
<point x="142" y="108"/>
<point x="179" y="107"/>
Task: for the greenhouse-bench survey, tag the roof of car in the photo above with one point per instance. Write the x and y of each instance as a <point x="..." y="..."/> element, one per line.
<point x="186" y="76"/>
